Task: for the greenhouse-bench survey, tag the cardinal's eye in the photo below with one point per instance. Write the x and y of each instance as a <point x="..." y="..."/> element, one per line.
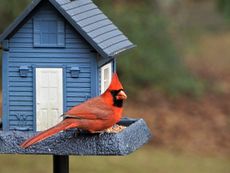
<point x="115" y="92"/>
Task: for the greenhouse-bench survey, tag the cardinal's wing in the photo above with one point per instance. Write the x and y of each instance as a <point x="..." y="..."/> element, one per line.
<point x="93" y="109"/>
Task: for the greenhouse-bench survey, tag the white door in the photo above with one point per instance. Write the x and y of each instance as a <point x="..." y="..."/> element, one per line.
<point x="49" y="97"/>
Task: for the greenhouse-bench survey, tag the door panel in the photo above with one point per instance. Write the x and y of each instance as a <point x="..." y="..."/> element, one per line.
<point x="49" y="97"/>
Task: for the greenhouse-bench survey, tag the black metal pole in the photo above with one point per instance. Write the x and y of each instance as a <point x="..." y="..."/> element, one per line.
<point x="60" y="164"/>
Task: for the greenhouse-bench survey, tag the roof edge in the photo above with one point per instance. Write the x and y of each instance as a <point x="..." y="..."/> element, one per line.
<point x="114" y="54"/>
<point x="78" y="28"/>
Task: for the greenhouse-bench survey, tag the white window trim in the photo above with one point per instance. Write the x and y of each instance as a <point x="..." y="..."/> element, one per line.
<point x="103" y="68"/>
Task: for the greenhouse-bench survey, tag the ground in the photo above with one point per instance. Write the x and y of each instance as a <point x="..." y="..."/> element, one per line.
<point x="146" y="160"/>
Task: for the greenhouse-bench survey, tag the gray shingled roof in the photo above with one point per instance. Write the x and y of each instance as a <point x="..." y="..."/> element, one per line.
<point x="89" y="21"/>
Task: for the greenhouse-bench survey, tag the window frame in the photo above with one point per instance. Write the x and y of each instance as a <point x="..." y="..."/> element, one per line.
<point x="103" y="68"/>
<point x="37" y="33"/>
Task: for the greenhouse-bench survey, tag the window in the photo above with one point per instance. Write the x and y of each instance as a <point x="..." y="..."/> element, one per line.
<point x="49" y="33"/>
<point x="106" y="76"/>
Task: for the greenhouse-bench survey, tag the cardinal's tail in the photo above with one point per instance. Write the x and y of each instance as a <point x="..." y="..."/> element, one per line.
<point x="65" y="124"/>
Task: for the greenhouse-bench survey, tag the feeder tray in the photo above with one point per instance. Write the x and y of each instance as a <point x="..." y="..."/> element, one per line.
<point x="73" y="142"/>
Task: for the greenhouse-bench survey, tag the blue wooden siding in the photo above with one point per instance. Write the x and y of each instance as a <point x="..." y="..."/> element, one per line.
<point x="5" y="97"/>
<point x="20" y="90"/>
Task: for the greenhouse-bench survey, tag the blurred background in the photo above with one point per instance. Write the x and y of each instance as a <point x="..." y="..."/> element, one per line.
<point x="177" y="79"/>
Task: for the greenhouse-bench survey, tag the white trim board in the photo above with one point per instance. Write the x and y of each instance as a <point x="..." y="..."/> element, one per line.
<point x="106" y="76"/>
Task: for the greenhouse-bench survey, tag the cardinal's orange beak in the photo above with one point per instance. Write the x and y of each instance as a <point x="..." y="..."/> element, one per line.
<point x="121" y="95"/>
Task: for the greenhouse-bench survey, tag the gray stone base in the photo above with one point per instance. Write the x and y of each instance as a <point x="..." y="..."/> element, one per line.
<point x="75" y="142"/>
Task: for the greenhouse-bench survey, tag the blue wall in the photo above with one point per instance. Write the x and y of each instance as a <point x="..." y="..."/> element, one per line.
<point x="19" y="99"/>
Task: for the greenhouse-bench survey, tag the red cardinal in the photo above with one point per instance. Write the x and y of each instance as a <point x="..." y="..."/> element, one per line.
<point x="96" y="114"/>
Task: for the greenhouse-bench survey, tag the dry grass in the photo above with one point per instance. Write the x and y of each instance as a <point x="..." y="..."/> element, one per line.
<point x="188" y="125"/>
<point x="146" y="160"/>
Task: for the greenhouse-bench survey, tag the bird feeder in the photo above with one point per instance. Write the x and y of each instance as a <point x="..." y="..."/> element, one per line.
<point x="68" y="47"/>
<point x="74" y="142"/>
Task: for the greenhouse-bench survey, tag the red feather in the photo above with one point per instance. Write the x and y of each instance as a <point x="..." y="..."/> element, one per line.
<point x="96" y="114"/>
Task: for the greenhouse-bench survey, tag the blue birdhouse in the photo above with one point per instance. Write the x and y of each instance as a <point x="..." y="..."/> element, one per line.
<point x="56" y="54"/>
